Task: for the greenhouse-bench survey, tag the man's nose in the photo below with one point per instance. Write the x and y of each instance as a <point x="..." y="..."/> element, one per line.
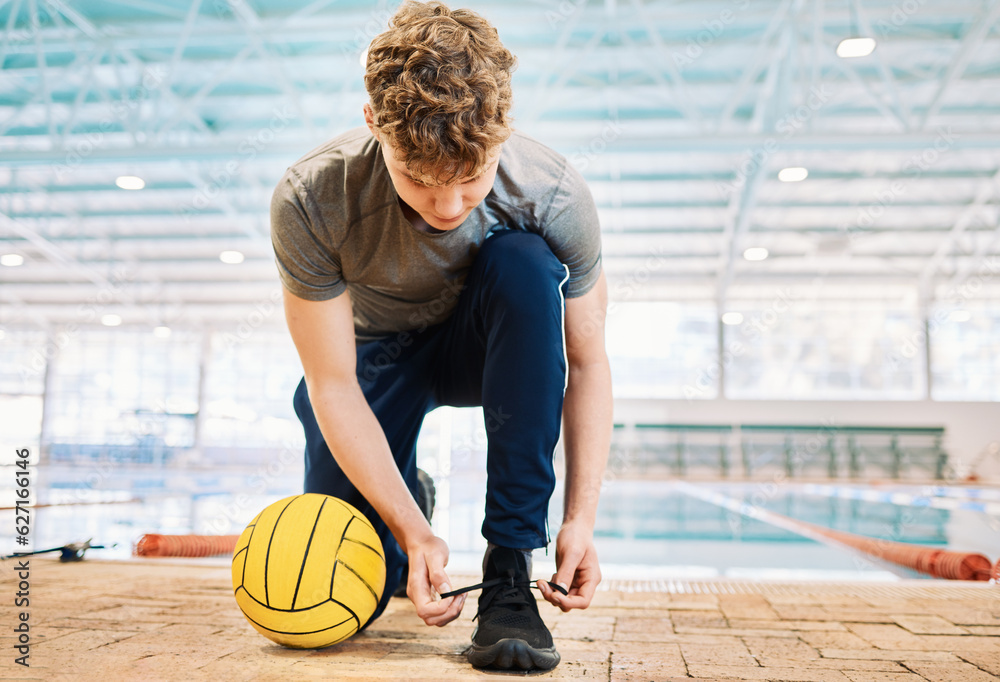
<point x="448" y="202"/>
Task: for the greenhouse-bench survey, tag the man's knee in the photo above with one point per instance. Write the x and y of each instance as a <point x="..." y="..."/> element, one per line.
<point x="522" y="260"/>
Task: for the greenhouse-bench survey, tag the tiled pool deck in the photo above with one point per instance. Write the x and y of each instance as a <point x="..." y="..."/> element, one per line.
<point x="177" y="620"/>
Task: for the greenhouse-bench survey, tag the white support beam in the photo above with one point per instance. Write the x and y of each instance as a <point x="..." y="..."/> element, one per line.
<point x="53" y="251"/>
<point x="849" y="70"/>
<point x="765" y="55"/>
<point x="900" y="107"/>
<point x="970" y="44"/>
<point x="741" y="206"/>
<point x="9" y="30"/>
<point x="678" y="90"/>
<point x="984" y="194"/>
<point x="253" y="26"/>
<point x="766" y="106"/>
<point x="46" y="92"/>
<point x="553" y="64"/>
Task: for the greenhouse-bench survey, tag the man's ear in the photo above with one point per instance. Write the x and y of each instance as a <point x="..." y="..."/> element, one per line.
<point x="370" y="119"/>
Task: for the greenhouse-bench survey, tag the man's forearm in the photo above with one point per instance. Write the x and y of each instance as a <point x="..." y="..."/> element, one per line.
<point x="587" y="423"/>
<point x="358" y="444"/>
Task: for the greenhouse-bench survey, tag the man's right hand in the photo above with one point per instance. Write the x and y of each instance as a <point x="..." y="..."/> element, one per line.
<point x="427" y="579"/>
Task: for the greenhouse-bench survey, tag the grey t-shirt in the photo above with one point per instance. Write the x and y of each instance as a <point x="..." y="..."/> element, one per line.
<point x="336" y="225"/>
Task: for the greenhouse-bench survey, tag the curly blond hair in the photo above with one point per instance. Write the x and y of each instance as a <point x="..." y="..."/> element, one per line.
<point x="439" y="83"/>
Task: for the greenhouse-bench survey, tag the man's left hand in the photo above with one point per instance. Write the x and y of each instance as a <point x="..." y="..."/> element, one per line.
<point x="577" y="568"/>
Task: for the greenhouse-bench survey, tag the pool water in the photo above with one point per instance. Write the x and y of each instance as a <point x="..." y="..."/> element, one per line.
<point x="645" y="529"/>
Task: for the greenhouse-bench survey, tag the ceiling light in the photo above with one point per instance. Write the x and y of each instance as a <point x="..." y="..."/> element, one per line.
<point x="12" y="260"/>
<point x="755" y="253"/>
<point x="794" y="174"/>
<point x="111" y="320"/>
<point x="161" y="332"/>
<point x="130" y="182"/>
<point x="855" y="47"/>
<point x="732" y="318"/>
<point x="960" y="316"/>
<point x="231" y="257"/>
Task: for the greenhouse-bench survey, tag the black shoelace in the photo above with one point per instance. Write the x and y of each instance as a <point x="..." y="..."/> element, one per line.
<point x="508" y="580"/>
<point x="505" y="591"/>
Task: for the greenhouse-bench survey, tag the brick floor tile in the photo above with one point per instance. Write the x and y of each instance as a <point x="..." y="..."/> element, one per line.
<point x="777" y="647"/>
<point x="733" y="654"/>
<point x="841" y="664"/>
<point x="737" y="632"/>
<point x="663" y="661"/>
<point x="748" y="610"/>
<point x="857" y="616"/>
<point x="888" y="655"/>
<point x="832" y="639"/>
<point x="639" y="629"/>
<point x="800" y="612"/>
<point x="886" y="636"/>
<point x="986" y="660"/>
<point x="587" y="629"/>
<point x="871" y="676"/>
<point x="983" y="630"/>
<point x="698" y="619"/>
<point x="949" y="672"/>
<point x="724" y="672"/>
<point x="783" y="624"/>
<point x="960" y="643"/>
<point x="928" y="625"/>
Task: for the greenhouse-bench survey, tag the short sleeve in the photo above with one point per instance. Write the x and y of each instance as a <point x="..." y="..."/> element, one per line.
<point x="572" y="229"/>
<point x="308" y="263"/>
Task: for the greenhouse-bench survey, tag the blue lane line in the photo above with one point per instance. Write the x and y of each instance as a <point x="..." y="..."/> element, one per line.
<point x="904" y="499"/>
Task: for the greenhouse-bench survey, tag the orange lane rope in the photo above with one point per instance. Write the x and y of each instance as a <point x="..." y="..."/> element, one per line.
<point x="940" y="563"/>
<point x="154" y="544"/>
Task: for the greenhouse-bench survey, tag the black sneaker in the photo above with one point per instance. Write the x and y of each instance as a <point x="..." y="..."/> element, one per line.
<point x="425" y="500"/>
<point x="510" y="634"/>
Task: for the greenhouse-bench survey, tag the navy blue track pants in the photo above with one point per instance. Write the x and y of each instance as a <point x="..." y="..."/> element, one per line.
<point x="503" y="349"/>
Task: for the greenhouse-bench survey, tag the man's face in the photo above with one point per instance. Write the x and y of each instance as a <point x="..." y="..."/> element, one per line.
<point x="443" y="207"/>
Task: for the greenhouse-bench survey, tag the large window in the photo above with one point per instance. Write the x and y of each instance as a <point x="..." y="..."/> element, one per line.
<point x="662" y="350"/>
<point x="249" y="389"/>
<point x="965" y="346"/>
<point x="22" y="383"/>
<point x="788" y="349"/>
<point x="125" y="393"/>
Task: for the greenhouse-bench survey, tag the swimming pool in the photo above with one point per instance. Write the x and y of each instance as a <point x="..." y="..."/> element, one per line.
<point x="645" y="529"/>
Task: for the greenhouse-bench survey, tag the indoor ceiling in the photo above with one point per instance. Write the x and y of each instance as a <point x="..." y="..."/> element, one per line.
<point x="680" y="115"/>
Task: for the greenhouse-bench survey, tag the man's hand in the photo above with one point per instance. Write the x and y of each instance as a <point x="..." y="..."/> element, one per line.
<point x="427" y="562"/>
<point x="576" y="568"/>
